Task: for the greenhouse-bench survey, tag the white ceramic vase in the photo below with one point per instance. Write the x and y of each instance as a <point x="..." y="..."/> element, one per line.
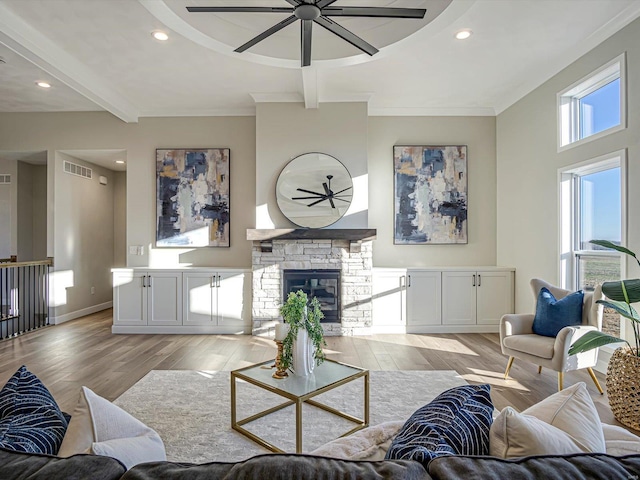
<point x="302" y="361"/>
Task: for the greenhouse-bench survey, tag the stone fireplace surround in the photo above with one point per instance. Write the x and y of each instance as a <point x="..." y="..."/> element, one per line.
<point x="350" y="251"/>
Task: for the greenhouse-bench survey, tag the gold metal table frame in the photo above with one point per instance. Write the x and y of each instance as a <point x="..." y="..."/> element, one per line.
<point x="297" y="399"/>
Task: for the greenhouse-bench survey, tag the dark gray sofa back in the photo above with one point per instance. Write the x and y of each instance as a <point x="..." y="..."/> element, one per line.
<point x="35" y="466"/>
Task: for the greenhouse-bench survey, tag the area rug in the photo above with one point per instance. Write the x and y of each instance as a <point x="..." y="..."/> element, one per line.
<point x="192" y="413"/>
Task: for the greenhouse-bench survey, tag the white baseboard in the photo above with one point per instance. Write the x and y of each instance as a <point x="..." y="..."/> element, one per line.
<point x="80" y="313"/>
<point x="182" y="329"/>
<point x="435" y="329"/>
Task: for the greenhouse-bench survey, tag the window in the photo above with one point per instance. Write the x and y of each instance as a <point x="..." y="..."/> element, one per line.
<point x="594" y="106"/>
<point x="592" y="200"/>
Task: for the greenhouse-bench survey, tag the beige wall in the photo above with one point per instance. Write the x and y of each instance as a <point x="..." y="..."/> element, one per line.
<point x="286" y="130"/>
<point x="479" y="134"/>
<point x="8" y="210"/>
<point x="84" y="238"/>
<point x="31" y="192"/>
<point x="39" y="199"/>
<point x="528" y="164"/>
<point x="119" y="219"/>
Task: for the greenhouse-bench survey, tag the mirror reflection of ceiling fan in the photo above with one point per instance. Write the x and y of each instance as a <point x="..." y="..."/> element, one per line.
<point x="318" y="11"/>
<point x="327" y="195"/>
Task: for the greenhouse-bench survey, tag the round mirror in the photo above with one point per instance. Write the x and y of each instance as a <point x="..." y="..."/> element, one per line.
<point x="314" y="190"/>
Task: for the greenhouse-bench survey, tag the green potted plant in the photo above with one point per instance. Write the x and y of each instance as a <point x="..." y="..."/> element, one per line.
<point x="624" y="366"/>
<point x="302" y="347"/>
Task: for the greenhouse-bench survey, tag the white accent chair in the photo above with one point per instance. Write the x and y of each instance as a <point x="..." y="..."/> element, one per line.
<point x="517" y="339"/>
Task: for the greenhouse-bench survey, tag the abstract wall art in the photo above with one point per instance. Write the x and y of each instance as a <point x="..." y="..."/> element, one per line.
<point x="192" y="195"/>
<point x="430" y="187"/>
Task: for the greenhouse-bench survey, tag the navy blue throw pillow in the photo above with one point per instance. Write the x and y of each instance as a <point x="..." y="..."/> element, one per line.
<point x="456" y="422"/>
<point x="553" y="315"/>
<point x="30" y="419"/>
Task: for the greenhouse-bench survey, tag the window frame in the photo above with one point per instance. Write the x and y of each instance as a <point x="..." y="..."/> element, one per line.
<point x="568" y="103"/>
<point x="569" y="218"/>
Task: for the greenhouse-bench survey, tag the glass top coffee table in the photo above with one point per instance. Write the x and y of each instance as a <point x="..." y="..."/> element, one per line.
<point x="298" y="390"/>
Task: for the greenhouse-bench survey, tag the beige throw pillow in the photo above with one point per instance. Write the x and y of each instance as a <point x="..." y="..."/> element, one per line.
<point x="514" y="435"/>
<point x="99" y="427"/>
<point x="370" y="443"/>
<point x="620" y="441"/>
<point x="566" y="422"/>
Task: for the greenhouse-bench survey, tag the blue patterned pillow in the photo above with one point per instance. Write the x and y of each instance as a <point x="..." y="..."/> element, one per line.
<point x="553" y="315"/>
<point x="457" y="422"/>
<point x="30" y="419"/>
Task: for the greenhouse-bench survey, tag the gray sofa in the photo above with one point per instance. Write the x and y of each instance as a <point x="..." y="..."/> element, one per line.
<point x="24" y="466"/>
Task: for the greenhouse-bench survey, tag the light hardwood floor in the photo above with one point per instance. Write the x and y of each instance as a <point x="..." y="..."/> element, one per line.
<point x="84" y="352"/>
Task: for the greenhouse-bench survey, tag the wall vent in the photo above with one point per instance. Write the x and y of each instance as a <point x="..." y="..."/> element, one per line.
<point x="79" y="170"/>
<point x="5" y="179"/>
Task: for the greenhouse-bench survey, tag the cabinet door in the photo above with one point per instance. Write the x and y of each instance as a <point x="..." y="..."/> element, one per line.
<point x="230" y="298"/>
<point x="424" y="298"/>
<point x="129" y="298"/>
<point x="198" y="298"/>
<point x="164" y="298"/>
<point x="495" y="296"/>
<point x="388" y="300"/>
<point x="459" y="298"/>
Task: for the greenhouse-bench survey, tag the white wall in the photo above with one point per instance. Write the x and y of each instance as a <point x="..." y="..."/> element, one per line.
<point x="25" y="212"/>
<point x="528" y="163"/>
<point x="479" y="134"/>
<point x="286" y="130"/>
<point x="39" y="213"/>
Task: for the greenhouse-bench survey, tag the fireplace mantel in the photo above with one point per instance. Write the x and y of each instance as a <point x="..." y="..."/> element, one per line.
<point x="350" y="234"/>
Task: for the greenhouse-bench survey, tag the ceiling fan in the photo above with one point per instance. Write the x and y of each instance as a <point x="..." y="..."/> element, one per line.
<point x="318" y="11"/>
<point x="327" y="195"/>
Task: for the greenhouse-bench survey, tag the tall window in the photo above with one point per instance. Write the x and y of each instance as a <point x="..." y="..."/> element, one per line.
<point x="594" y="106"/>
<point x="592" y="198"/>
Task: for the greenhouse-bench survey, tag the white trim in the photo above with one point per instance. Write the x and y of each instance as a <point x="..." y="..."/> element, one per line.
<point x="80" y="313"/>
<point x="566" y="105"/>
<point x="182" y="329"/>
<point x="310" y="86"/>
<point x="277" y="97"/>
<point x="213" y="112"/>
<point x="432" y="112"/>
<point x="413" y="329"/>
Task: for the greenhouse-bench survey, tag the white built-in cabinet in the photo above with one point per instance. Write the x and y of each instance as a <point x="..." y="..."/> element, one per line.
<point x="441" y="300"/>
<point x="181" y="301"/>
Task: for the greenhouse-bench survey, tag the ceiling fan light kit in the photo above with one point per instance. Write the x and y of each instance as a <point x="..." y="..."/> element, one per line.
<point x="316" y="11"/>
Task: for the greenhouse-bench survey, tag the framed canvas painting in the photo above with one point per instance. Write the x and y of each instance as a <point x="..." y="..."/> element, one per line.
<point x="192" y="196"/>
<point x="430" y="188"/>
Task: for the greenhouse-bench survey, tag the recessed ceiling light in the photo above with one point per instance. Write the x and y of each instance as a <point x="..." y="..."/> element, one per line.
<point x="120" y="161"/>
<point x="43" y="84"/>
<point x="463" y="34"/>
<point x="160" y="35"/>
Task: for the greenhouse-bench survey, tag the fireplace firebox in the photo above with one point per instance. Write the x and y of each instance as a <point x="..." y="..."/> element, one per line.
<point x="322" y="284"/>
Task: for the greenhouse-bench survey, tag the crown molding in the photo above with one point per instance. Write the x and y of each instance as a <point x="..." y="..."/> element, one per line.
<point x="432" y="112"/>
<point x="613" y="26"/>
<point x="277" y="97"/>
<point x="29" y="43"/>
<point x="212" y="112"/>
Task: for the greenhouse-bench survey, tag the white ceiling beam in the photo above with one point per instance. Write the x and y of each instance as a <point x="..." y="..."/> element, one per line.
<point x="310" y="86"/>
<point x="29" y="43"/>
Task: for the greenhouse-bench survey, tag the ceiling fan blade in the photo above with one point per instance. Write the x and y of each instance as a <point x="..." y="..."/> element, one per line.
<point x="309" y="191"/>
<point x="295" y="3"/>
<point x="267" y="33"/>
<point x="374" y="12"/>
<point x="324" y="3"/>
<point x="305" y="38"/>
<point x="315" y="203"/>
<point x="346" y="35"/>
<point x="240" y="9"/>
<point x="344" y="190"/>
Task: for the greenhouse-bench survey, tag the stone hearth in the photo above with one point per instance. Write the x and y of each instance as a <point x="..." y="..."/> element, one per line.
<point x="353" y="260"/>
